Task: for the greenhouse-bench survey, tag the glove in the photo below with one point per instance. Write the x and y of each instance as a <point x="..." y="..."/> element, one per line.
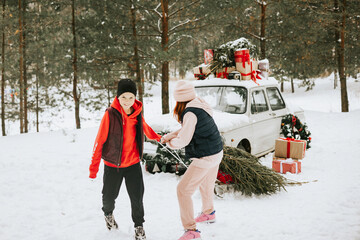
<point x="92" y="175"/>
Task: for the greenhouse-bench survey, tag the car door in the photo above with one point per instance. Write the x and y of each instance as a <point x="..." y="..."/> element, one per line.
<point x="260" y="118"/>
<point x="277" y="111"/>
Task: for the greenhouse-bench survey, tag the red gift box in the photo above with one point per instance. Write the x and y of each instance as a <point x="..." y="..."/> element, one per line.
<point x="284" y="166"/>
<point x="208" y="55"/>
<point x="241" y="57"/>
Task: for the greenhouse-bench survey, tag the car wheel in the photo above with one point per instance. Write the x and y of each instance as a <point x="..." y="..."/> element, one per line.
<point x="244" y="145"/>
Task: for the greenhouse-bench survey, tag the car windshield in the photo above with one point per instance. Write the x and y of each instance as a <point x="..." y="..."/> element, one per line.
<point x="224" y="98"/>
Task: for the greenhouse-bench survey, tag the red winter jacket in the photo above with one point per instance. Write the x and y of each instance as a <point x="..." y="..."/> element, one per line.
<point x="130" y="152"/>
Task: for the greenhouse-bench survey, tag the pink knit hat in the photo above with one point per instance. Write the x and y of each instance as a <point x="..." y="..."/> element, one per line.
<point x="184" y="91"/>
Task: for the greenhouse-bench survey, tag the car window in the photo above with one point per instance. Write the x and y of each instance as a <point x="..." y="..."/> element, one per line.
<point x="211" y="95"/>
<point x="226" y="99"/>
<point x="258" y="102"/>
<point x="275" y="99"/>
<point x="233" y="100"/>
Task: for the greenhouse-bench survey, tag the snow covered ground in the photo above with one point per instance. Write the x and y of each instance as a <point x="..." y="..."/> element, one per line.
<point x="46" y="192"/>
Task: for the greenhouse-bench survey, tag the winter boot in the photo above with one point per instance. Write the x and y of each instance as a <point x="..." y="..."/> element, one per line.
<point x="140" y="233"/>
<point x="206" y="218"/>
<point x="191" y="234"/>
<point x="110" y="221"/>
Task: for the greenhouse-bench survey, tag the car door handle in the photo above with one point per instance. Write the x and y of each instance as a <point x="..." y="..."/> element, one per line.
<point x="272" y="114"/>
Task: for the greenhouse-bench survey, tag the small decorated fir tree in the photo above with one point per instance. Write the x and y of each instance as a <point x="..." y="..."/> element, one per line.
<point x="224" y="56"/>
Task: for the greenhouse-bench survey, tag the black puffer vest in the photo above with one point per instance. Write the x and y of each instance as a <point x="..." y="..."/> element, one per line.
<point x="206" y="140"/>
<point x="112" y="148"/>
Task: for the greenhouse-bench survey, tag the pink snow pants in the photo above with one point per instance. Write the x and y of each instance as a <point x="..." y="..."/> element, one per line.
<point x="195" y="177"/>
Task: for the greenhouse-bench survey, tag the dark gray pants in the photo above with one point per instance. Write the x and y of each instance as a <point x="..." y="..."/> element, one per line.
<point x="113" y="178"/>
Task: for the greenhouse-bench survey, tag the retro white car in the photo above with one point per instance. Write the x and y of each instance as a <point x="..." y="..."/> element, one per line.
<point x="247" y="114"/>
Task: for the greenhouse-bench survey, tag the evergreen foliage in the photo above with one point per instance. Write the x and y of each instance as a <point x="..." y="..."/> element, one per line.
<point x="292" y="127"/>
<point x="301" y="41"/>
<point x="224" y="56"/>
<point x="249" y="176"/>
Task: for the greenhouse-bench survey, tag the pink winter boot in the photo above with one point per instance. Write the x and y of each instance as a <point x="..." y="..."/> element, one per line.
<point x="206" y="218"/>
<point x="191" y="235"/>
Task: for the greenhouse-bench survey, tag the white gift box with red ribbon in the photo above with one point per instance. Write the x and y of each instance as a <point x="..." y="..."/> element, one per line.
<point x="286" y="165"/>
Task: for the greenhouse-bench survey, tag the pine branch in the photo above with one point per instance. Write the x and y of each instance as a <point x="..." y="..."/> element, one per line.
<point x="184" y="23"/>
<point x="183" y="8"/>
<point x="155" y="10"/>
<point x="250" y="177"/>
<point x="188" y="29"/>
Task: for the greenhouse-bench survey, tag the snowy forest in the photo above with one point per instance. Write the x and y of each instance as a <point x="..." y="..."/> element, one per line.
<point x="71" y="47"/>
<point x="289" y="169"/>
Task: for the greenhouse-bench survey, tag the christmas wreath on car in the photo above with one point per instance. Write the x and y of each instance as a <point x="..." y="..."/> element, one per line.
<point x="292" y="127"/>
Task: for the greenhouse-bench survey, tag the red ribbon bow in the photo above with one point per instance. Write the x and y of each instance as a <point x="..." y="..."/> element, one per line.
<point x="254" y="75"/>
<point x="245" y="58"/>
<point x="224" y="74"/>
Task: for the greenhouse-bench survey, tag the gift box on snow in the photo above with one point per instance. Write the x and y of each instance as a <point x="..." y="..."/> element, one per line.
<point x="224" y="73"/>
<point x="290" y="148"/>
<point x="208" y="55"/>
<point x="288" y="165"/>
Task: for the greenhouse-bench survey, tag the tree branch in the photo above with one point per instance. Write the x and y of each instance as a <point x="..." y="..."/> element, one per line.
<point x="158" y="13"/>
<point x="188" y="29"/>
<point x="173" y="4"/>
<point x="253" y="35"/>
<point x="182" y="8"/>
<point x="183" y="24"/>
<point x="181" y="38"/>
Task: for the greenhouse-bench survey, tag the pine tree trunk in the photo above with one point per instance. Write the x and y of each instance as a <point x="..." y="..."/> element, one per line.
<point x="292" y="85"/>
<point x="108" y="87"/>
<point x="282" y="85"/>
<point x="21" y="65"/>
<point x="37" y="97"/>
<point x="337" y="41"/>
<point x="165" y="64"/>
<point x="3" y="74"/>
<point x="37" y="83"/>
<point x="26" y="122"/>
<point x="136" y="52"/>
<point x="335" y="78"/>
<point x="143" y="83"/>
<point x="262" y="33"/>
<point x="175" y="68"/>
<point x="76" y="96"/>
<point x="342" y="75"/>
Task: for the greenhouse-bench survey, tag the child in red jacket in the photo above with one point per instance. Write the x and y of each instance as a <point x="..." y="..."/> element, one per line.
<point x="119" y="143"/>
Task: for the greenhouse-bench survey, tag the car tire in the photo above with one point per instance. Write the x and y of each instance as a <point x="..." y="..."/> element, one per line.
<point x="244" y="145"/>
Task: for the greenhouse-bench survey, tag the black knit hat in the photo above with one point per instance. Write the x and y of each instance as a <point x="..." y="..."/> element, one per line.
<point x="126" y="85"/>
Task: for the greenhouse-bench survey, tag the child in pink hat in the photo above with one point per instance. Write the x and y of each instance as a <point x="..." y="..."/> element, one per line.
<point x="203" y="145"/>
